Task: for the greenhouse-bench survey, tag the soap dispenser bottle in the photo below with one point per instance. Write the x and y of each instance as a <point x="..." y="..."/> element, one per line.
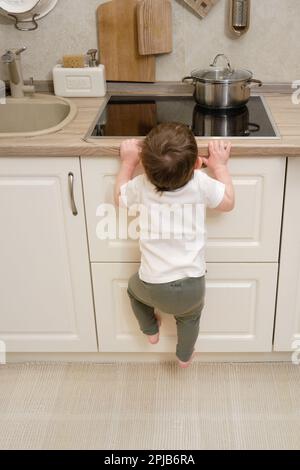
<point x="92" y="57"/>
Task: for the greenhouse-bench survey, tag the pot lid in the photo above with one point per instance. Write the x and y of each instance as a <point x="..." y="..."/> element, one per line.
<point x="218" y="74"/>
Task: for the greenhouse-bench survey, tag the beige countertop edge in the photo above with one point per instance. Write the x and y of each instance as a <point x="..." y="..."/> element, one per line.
<point x="101" y="150"/>
<point x="70" y="141"/>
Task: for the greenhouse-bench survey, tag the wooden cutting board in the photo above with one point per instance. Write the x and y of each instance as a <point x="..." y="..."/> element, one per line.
<point x="201" y="7"/>
<point x="118" y="43"/>
<point x="154" y="20"/>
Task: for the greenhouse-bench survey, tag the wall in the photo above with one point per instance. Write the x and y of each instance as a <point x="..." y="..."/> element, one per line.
<point x="271" y="49"/>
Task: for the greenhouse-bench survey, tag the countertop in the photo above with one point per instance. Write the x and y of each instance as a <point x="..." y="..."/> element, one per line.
<point x="70" y="141"/>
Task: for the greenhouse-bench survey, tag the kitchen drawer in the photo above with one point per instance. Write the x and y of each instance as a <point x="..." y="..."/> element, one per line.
<point x="250" y="233"/>
<point x="238" y="315"/>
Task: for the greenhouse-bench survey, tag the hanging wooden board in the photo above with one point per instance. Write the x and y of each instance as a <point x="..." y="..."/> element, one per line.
<point x="201" y="7"/>
<point x="154" y="20"/>
<point x="118" y="43"/>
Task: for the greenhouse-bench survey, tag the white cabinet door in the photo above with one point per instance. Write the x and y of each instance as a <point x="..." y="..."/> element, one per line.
<point x="287" y="330"/>
<point x="250" y="233"/>
<point x="46" y="294"/>
<point x="238" y="315"/>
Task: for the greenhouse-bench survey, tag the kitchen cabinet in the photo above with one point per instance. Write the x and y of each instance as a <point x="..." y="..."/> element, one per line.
<point x="250" y="233"/>
<point x="238" y="315"/>
<point x="242" y="254"/>
<point x="287" y="329"/>
<point x="46" y="299"/>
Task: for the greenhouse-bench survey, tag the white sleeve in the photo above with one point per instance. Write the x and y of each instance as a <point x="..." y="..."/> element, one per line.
<point x="130" y="192"/>
<point x="212" y="190"/>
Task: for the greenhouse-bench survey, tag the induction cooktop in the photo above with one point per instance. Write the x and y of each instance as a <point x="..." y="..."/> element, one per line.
<point x="134" y="116"/>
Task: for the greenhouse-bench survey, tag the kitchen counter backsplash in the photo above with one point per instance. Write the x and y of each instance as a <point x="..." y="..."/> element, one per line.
<point x="267" y="50"/>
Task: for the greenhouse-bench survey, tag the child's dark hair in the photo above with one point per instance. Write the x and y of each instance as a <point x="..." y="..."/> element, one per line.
<point x="169" y="154"/>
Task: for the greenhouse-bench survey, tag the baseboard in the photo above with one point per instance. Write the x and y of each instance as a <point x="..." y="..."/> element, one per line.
<point x="105" y="358"/>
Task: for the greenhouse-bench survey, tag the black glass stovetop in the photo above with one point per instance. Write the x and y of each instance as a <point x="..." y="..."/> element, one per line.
<point x="135" y="116"/>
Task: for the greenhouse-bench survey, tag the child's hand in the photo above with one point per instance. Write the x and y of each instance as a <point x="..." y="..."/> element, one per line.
<point x="219" y="153"/>
<point x="198" y="163"/>
<point x="130" y="152"/>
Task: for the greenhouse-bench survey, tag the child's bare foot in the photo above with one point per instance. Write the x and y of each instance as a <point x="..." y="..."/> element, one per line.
<point x="154" y="339"/>
<point x="184" y="365"/>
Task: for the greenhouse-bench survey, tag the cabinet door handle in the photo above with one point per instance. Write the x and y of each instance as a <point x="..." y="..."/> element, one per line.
<point x="71" y="189"/>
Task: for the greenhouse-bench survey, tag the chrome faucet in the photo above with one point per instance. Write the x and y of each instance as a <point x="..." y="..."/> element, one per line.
<point x="12" y="58"/>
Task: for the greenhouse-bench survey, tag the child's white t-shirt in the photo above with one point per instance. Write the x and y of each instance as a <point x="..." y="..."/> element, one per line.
<point x="172" y="232"/>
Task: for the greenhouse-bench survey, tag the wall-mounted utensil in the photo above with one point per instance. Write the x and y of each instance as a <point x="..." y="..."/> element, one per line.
<point x="118" y="43"/>
<point x="239" y="16"/>
<point x="201" y="7"/>
<point x="154" y="19"/>
<point x="26" y="13"/>
<point x="222" y="87"/>
<point x="19" y="6"/>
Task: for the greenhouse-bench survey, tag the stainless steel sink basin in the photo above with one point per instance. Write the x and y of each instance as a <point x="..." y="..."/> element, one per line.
<point x="36" y="115"/>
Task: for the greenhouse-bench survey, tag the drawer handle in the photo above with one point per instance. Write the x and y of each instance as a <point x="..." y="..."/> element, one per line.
<point x="71" y="189"/>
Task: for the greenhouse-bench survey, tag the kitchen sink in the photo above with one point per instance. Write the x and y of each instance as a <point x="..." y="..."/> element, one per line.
<point x="35" y="115"/>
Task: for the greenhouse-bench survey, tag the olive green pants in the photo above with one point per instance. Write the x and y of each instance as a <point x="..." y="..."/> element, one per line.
<point x="183" y="298"/>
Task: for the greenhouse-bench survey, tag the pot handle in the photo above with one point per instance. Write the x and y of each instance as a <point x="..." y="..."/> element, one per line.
<point x="253" y="127"/>
<point x="187" y="78"/>
<point x="214" y="64"/>
<point x="253" y="80"/>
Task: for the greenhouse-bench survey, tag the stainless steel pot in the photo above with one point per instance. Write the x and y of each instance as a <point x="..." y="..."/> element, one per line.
<point x="223" y="123"/>
<point x="222" y="87"/>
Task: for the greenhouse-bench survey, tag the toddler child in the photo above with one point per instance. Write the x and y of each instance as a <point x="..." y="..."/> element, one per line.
<point x="172" y="195"/>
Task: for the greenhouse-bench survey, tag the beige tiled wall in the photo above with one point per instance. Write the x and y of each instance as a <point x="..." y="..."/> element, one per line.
<point x="271" y="49"/>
